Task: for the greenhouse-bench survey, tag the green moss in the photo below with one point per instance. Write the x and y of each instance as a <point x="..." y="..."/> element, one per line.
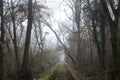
<point x="61" y="72"/>
<point x="48" y="73"/>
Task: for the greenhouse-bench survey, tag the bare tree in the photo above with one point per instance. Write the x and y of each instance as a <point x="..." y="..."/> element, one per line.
<point x="14" y="33"/>
<point x="25" y="70"/>
<point x="78" y="23"/>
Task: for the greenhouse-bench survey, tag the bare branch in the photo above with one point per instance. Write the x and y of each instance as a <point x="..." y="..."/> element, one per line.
<point x="66" y="50"/>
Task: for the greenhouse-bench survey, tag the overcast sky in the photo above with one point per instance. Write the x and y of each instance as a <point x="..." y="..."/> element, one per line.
<point x="58" y="15"/>
<point x="57" y="7"/>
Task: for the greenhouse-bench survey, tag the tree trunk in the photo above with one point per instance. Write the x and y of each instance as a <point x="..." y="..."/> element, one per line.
<point x="115" y="48"/>
<point x="101" y="55"/>
<point x="26" y="69"/>
<point x="103" y="41"/>
<point x="114" y="27"/>
<point x="2" y="42"/>
<point x="91" y="49"/>
<point x="78" y="21"/>
<point x="15" y="37"/>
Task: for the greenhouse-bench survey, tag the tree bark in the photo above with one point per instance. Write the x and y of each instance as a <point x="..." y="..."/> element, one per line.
<point x="103" y="40"/>
<point x="2" y="42"/>
<point x="115" y="48"/>
<point x="114" y="27"/>
<point x="96" y="41"/>
<point x="15" y="37"/>
<point x="26" y="69"/>
<point x="78" y="21"/>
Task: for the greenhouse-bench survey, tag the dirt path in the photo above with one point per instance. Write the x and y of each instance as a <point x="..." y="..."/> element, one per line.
<point x="61" y="73"/>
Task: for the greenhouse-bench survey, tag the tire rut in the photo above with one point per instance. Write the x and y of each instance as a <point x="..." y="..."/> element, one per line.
<point x="69" y="75"/>
<point x="54" y="75"/>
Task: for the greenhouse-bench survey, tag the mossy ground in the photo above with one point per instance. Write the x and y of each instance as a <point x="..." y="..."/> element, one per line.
<point x="61" y="72"/>
<point x="48" y="73"/>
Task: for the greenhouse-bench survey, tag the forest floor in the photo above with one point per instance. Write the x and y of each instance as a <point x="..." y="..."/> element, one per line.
<point x="59" y="72"/>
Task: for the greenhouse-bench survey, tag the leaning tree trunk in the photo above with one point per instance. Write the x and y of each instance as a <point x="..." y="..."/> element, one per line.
<point x="1" y="42"/>
<point x="26" y="69"/>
